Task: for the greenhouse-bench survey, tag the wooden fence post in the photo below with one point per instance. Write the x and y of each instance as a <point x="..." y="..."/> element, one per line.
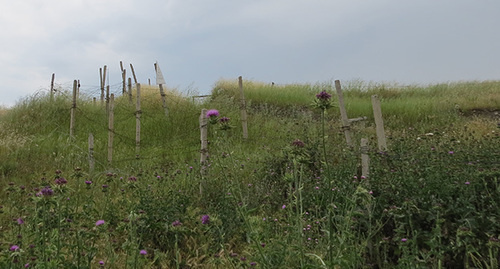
<point x="365" y="159"/>
<point x="163" y="99"/>
<point x="138" y="121"/>
<point x="73" y="111"/>
<point x="91" y="153"/>
<point x="103" y="83"/>
<point x="243" y="109"/>
<point x="130" y="90"/>
<point x="133" y="73"/>
<point x="52" y="87"/>
<point x="204" y="144"/>
<point x="111" y="129"/>
<point x="379" y="123"/>
<point x="107" y="100"/>
<point x="346" y="125"/>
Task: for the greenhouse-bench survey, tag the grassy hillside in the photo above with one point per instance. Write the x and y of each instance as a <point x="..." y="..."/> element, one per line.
<point x="290" y="196"/>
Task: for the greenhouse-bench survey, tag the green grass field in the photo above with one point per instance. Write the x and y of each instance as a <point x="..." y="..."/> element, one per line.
<point x="290" y="196"/>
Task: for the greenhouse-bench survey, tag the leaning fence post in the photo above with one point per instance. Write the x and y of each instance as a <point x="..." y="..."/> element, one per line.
<point x="111" y="128"/>
<point x="365" y="159"/>
<point x="130" y="90"/>
<point x="243" y="109"/>
<point x="73" y="110"/>
<point x="346" y="125"/>
<point x="138" y="121"/>
<point x="379" y="123"/>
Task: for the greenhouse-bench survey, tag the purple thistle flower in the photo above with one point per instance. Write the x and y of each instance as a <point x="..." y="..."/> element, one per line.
<point x="253" y="264"/>
<point x="404" y="239"/>
<point x="143" y="252"/>
<point x="298" y="143"/>
<point x="176" y="223"/>
<point x="205" y="219"/>
<point x="88" y="182"/>
<point x="14" y="248"/>
<point x="99" y="222"/>
<point x="47" y="191"/>
<point x="61" y="181"/>
<point x="224" y="120"/>
<point x="324" y="96"/>
<point x="101" y="263"/>
<point x="132" y="178"/>
<point x="27" y="265"/>
<point x="20" y="221"/>
<point x="212" y="113"/>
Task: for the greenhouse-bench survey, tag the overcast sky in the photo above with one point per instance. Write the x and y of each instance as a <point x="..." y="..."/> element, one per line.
<point x="198" y="42"/>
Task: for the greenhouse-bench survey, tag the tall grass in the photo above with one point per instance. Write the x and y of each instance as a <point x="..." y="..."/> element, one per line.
<point x="431" y="200"/>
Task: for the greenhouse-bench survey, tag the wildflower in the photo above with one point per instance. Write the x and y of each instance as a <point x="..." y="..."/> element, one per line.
<point x="205" y="219"/>
<point x="176" y="223"/>
<point x="20" y="221"/>
<point x="297" y="143"/>
<point x="467" y="183"/>
<point x="224" y="120"/>
<point x="404" y="239"/>
<point x="253" y="264"/>
<point x="224" y="123"/>
<point x="61" y="181"/>
<point x="143" y="252"/>
<point x="47" y="191"/>
<point x="99" y="222"/>
<point x="323" y="100"/>
<point x="132" y="178"/>
<point x="212" y="113"/>
<point x="450" y="152"/>
<point x="27" y="265"/>
<point x="283" y="206"/>
<point x="88" y="182"/>
<point x="14" y="248"/>
<point x="323" y="95"/>
<point x="101" y="263"/>
<point x="243" y="258"/>
<point x="212" y="116"/>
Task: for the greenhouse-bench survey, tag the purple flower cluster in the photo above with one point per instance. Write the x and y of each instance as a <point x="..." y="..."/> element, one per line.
<point x="205" y="219"/>
<point x="323" y="100"/>
<point x="212" y="113"/>
<point x="224" y="120"/>
<point x="176" y="223"/>
<point x="61" y="181"/>
<point x="46" y="191"/>
<point x="323" y="95"/>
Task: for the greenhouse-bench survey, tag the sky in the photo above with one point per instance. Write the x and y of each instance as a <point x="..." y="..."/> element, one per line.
<point x="198" y="42"/>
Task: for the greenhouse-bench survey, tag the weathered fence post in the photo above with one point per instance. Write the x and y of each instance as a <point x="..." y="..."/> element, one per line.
<point x="204" y="145"/>
<point x="243" y="109"/>
<point x="130" y="90"/>
<point x="133" y="73"/>
<point x="103" y="83"/>
<point x="52" y="87"/>
<point x="73" y="111"/>
<point x="138" y="121"/>
<point x="365" y="159"/>
<point x="379" y="123"/>
<point x="111" y="129"/>
<point x="163" y="99"/>
<point x="107" y="100"/>
<point x="91" y="153"/>
<point x="346" y="125"/>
